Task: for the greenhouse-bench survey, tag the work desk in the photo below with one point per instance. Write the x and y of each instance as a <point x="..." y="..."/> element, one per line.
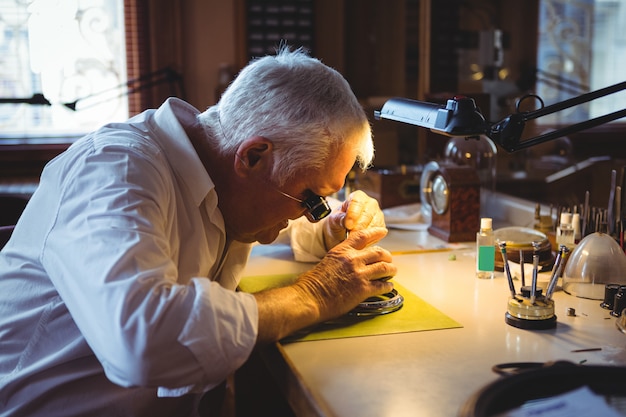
<point x="430" y="373"/>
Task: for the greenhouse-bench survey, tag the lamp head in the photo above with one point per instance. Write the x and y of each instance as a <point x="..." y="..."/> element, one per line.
<point x="459" y="117"/>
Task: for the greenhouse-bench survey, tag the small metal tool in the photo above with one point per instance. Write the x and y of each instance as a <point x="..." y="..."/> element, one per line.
<point x="556" y="271"/>
<point x="533" y="285"/>
<point x="507" y="268"/>
<point x="585" y="215"/>
<point x="610" y="227"/>
<point x="521" y="265"/>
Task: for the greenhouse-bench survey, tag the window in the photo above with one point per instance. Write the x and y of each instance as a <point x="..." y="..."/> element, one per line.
<point x="71" y="52"/>
<point x="582" y="47"/>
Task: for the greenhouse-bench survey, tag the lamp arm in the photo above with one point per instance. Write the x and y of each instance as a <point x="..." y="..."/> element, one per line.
<point x="36" y="99"/>
<point x="133" y="85"/>
<point x="507" y="132"/>
<point x="574" y="101"/>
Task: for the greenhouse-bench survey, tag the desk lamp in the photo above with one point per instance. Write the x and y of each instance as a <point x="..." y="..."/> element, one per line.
<point x="131" y="86"/>
<point x="149" y="80"/>
<point x="36" y="99"/>
<point x="528" y="309"/>
<point x="461" y="117"/>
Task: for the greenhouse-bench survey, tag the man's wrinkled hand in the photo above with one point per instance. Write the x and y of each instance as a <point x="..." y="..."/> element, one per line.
<point x="358" y="212"/>
<point x="351" y="272"/>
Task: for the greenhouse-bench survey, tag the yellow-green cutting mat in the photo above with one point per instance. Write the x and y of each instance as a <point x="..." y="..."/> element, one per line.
<point x="415" y="315"/>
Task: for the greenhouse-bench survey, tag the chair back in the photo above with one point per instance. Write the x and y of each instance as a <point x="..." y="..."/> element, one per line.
<point x="11" y="207"/>
<point x="5" y="234"/>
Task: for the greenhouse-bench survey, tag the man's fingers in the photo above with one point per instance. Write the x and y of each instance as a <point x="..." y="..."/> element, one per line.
<point x="360" y="239"/>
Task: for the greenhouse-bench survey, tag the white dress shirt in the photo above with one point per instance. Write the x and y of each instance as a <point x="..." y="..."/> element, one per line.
<point x="105" y="305"/>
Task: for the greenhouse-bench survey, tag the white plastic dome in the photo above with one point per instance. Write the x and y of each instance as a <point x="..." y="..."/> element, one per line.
<point x="596" y="261"/>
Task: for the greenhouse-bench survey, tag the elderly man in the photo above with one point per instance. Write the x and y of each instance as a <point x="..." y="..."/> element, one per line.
<point x="118" y="288"/>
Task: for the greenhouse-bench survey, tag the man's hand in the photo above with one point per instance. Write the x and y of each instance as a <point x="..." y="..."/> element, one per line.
<point x="358" y="212"/>
<point x="351" y="272"/>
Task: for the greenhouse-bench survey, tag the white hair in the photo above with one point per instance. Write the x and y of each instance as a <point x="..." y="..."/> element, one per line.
<point x="306" y="109"/>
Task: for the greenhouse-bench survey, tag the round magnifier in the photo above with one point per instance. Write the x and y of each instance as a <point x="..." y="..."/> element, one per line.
<point x="317" y="208"/>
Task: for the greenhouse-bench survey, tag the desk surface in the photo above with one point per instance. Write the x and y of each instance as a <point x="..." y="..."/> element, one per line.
<point x="434" y="372"/>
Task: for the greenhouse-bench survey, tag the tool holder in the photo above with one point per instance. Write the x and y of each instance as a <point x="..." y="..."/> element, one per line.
<point x="531" y="309"/>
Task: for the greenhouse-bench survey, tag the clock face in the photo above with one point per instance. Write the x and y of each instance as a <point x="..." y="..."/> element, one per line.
<point x="426" y="186"/>
<point x="439" y="194"/>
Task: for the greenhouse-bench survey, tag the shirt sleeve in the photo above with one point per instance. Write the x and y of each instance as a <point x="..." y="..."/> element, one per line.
<point x="114" y="262"/>
<point x="306" y="238"/>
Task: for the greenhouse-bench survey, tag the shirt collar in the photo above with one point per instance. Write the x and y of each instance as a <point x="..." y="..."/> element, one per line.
<point x="179" y="149"/>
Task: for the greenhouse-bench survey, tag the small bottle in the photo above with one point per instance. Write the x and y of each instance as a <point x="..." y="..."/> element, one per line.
<point x="565" y="231"/>
<point x="485" y="250"/>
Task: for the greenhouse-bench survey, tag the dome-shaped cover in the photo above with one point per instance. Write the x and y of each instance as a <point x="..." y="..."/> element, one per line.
<point x="596" y="261"/>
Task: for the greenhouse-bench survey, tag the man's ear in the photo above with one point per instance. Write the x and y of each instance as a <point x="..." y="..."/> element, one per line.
<point x="254" y="153"/>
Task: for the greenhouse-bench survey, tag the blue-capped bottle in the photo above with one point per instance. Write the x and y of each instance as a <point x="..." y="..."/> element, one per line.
<point x="485" y="250"/>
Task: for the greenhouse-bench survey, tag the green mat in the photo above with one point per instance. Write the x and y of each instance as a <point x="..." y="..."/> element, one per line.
<point x="416" y="315"/>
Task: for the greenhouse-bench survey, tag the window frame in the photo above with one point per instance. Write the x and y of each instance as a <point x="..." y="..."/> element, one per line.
<point x="152" y="34"/>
